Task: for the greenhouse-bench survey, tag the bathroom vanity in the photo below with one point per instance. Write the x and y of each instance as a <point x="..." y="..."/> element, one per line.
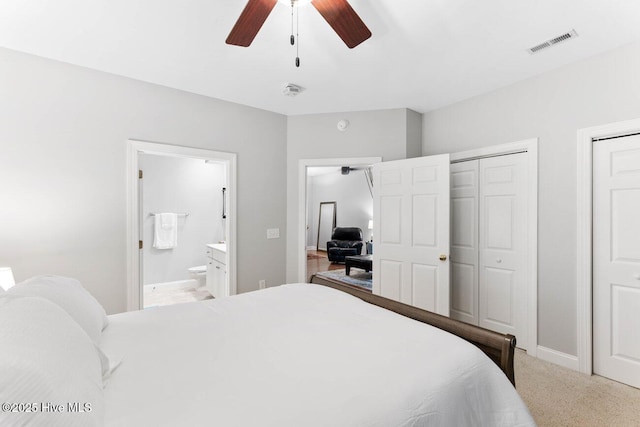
<point x="217" y="269"/>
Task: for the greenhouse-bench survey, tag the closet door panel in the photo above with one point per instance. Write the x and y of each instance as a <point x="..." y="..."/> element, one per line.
<point x="502" y="244"/>
<point x="464" y="288"/>
<point x="499" y="289"/>
<point x="464" y="241"/>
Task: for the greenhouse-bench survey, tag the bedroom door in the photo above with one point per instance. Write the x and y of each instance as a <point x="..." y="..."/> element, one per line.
<point x="411" y="225"/>
<point x="616" y="259"/>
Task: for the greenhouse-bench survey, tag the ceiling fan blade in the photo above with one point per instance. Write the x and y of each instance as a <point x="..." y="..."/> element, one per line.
<point x="344" y="21"/>
<point x="250" y="22"/>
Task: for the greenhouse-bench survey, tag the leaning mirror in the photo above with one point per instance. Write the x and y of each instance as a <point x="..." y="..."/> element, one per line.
<point x="326" y="224"/>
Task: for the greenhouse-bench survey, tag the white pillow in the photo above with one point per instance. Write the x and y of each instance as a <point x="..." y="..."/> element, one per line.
<point x="47" y="359"/>
<point x="69" y="294"/>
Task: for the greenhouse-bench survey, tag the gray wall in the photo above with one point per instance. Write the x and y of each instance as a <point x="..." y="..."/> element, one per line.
<point x="175" y="184"/>
<point x="385" y="133"/>
<point x="354" y="204"/>
<point x="63" y="135"/>
<point x="414" y="134"/>
<point x="551" y="107"/>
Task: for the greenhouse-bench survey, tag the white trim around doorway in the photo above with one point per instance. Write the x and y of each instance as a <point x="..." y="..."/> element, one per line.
<point x="134" y="148"/>
<point x="530" y="146"/>
<point x="302" y="200"/>
<point x="584" y="232"/>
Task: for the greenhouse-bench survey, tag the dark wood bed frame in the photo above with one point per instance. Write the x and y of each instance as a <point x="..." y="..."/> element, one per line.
<point x="500" y="348"/>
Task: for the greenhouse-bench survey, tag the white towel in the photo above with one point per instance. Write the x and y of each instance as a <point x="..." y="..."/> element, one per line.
<point x="165" y="231"/>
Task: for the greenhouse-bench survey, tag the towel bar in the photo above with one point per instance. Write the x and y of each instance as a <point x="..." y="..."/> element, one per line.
<point x="179" y="214"/>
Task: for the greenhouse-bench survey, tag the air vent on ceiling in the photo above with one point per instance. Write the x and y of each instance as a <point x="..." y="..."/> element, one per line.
<point x="554" y="41"/>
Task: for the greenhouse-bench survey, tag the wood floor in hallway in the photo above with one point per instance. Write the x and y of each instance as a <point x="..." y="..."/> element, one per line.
<point x="318" y="261"/>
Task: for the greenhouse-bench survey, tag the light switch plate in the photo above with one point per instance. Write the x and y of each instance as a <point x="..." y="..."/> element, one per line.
<point x="273" y="233"/>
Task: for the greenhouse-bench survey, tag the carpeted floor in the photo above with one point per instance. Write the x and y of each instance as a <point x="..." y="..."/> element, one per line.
<point x="558" y="396"/>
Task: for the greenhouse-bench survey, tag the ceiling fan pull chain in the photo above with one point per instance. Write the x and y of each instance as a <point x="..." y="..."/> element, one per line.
<point x="292" y="39"/>
<point x="297" y="37"/>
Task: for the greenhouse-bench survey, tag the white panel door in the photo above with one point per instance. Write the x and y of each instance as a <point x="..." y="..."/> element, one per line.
<point x="503" y="247"/>
<point x="464" y="241"/>
<point x="411" y="225"/>
<point x="616" y="259"/>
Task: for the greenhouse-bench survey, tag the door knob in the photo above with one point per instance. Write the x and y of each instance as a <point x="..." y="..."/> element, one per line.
<point x="443" y="257"/>
<point x="499" y="260"/>
<point x="636" y="276"/>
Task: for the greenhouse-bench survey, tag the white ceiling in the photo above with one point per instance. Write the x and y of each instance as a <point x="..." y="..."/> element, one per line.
<point x="424" y="54"/>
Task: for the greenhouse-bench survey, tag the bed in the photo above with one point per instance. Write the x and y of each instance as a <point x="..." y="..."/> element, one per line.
<point x="292" y="355"/>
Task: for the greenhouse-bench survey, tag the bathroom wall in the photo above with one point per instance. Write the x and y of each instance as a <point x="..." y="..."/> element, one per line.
<point x="354" y="204"/>
<point x="174" y="184"/>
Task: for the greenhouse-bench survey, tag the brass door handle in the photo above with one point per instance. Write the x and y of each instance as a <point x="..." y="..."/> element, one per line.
<point x="443" y="257"/>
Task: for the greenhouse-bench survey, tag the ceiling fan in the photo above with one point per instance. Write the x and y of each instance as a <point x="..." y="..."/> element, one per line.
<point x="338" y="13"/>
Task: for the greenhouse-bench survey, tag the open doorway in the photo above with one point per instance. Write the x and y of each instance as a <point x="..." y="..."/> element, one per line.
<point x="182" y="216"/>
<point x="181" y="228"/>
<point x="339" y="187"/>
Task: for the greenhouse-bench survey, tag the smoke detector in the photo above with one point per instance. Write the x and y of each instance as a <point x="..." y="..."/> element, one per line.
<point x="292" y="90"/>
<point x="343" y="125"/>
<point x="552" y="42"/>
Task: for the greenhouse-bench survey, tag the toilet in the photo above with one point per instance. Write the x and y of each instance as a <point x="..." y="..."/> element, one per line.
<point x="199" y="273"/>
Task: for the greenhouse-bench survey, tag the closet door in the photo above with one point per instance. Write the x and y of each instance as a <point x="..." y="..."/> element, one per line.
<point x="616" y="259"/>
<point x="503" y="250"/>
<point x="464" y="241"/>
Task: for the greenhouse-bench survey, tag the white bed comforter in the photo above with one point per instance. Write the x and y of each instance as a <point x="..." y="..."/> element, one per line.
<point x="298" y="355"/>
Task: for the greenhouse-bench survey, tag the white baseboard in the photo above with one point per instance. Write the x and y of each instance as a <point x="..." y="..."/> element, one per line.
<point x="562" y="359"/>
<point x="311" y="248"/>
<point x="178" y="284"/>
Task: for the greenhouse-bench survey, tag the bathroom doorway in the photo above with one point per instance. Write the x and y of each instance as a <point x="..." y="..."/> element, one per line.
<point x="182" y="213"/>
<point x="181" y="224"/>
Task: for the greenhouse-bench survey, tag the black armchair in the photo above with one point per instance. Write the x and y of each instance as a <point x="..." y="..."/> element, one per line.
<point x="345" y="241"/>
